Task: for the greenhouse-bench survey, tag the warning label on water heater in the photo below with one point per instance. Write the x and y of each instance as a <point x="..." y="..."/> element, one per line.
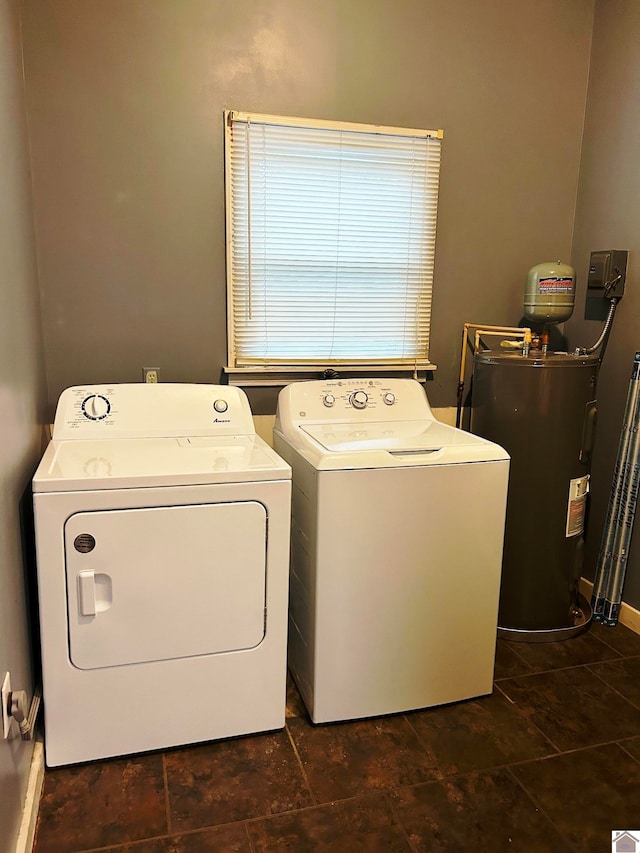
<point x="578" y="491"/>
<point x="556" y="284"/>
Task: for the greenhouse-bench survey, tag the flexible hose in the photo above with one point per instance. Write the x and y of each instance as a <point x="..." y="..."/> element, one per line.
<point x="604" y="337"/>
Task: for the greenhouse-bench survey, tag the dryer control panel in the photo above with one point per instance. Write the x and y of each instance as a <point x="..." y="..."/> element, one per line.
<point x="144" y="410"/>
<point x="357" y="400"/>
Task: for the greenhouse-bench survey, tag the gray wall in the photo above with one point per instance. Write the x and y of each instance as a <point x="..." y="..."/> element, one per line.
<point x="22" y="400"/>
<point x="608" y="217"/>
<point x="125" y="101"/>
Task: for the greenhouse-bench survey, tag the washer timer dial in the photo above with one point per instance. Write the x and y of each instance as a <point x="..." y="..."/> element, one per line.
<point x="95" y="407"/>
<point x="359" y="399"/>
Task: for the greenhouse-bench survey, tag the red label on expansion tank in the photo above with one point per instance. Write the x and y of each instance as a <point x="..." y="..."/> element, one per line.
<point x="555" y="285"/>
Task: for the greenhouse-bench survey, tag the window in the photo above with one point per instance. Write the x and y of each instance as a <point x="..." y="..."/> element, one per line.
<point x="330" y="244"/>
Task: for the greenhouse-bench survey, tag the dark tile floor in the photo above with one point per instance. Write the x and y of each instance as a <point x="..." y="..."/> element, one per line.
<point x="549" y="762"/>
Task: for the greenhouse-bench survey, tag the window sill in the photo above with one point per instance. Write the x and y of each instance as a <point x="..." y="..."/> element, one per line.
<point x="278" y="376"/>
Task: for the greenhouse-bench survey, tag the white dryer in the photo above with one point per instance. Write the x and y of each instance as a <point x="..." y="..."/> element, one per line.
<point x="162" y="536"/>
<point x="397" y="533"/>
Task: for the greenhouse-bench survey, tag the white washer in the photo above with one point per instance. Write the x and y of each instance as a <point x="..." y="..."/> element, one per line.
<point x="397" y="531"/>
<point x="162" y="535"/>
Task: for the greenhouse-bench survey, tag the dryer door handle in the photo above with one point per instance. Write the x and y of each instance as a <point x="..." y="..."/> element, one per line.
<point x="87" y="593"/>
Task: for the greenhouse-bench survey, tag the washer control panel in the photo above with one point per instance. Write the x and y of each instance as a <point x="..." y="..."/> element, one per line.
<point x="145" y="410"/>
<point x="341" y="400"/>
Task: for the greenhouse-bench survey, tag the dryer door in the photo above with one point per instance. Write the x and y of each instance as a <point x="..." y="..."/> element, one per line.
<point x="165" y="582"/>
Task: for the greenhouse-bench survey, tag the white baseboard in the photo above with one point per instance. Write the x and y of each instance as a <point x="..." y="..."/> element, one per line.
<point x="27" y="833"/>
<point x="629" y="616"/>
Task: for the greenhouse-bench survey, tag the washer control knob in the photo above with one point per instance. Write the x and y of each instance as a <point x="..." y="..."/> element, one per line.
<point x="329" y="400"/>
<point x="220" y="406"/>
<point x="95" y="407"/>
<point x="389" y="398"/>
<point x="359" y="400"/>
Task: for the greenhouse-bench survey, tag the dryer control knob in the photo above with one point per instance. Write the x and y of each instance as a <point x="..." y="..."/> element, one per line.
<point x="359" y="400"/>
<point x="95" y="407"/>
<point x="389" y="398"/>
<point x="220" y="406"/>
<point x="329" y="400"/>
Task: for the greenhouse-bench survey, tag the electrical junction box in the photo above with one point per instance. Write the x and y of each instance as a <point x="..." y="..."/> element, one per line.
<point x="607" y="274"/>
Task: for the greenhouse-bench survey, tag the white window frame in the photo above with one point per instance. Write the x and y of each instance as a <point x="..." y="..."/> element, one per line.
<point x="266" y="370"/>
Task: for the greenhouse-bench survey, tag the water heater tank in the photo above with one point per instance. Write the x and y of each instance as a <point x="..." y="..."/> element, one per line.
<point x="542" y="411"/>
<point x="549" y="295"/>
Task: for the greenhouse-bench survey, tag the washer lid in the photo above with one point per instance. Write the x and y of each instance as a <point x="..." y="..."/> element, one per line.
<point x="400" y="436"/>
<point x="390" y="444"/>
<point x="79" y="465"/>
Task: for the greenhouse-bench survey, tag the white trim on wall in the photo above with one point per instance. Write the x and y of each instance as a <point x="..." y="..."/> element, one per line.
<point x="26" y="835"/>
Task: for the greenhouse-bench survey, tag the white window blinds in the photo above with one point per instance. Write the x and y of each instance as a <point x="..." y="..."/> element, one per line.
<point x="331" y="239"/>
